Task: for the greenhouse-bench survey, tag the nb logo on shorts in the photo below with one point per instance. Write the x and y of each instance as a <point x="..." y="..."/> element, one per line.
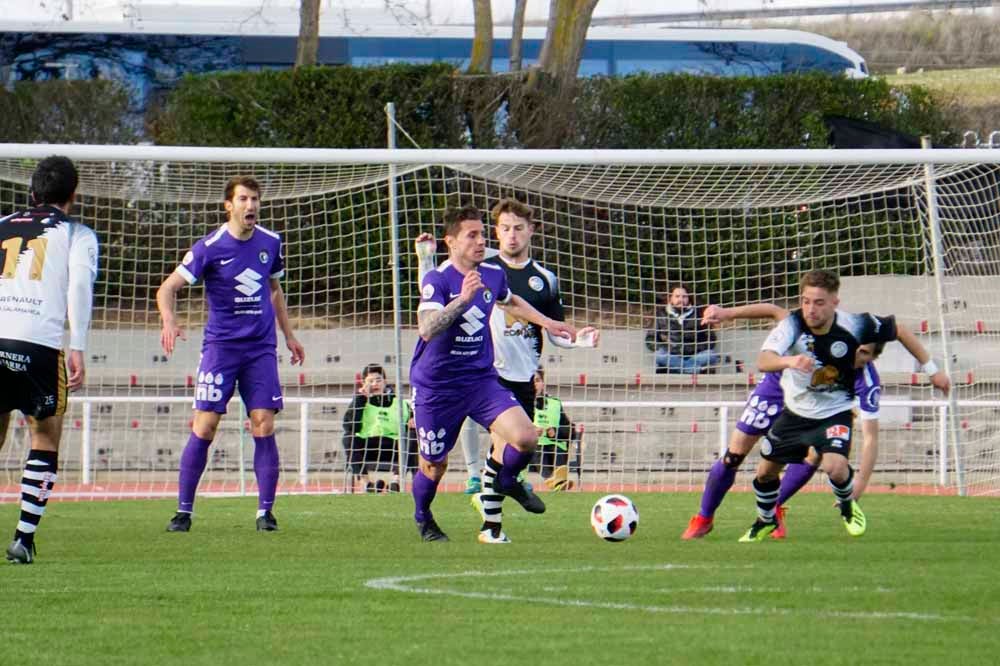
<point x="758" y="413"/>
<point x="473" y="320"/>
<point x="431" y="443"/>
<point x="208" y="387"/>
<point x="249" y="282"/>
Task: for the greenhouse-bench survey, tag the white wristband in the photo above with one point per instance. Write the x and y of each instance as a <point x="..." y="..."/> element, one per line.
<point x="930" y="367"/>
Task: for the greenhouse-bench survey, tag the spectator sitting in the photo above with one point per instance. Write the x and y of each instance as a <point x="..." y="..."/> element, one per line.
<point x="682" y="343"/>
<point x="372" y="430"/>
<point x="554" y="434"/>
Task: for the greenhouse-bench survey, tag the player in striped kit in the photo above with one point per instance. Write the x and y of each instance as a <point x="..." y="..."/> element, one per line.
<point x="814" y="349"/>
<point x="764" y="406"/>
<point x="48" y="270"/>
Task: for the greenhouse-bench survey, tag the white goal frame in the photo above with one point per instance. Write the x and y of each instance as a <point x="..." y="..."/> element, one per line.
<point x="397" y="160"/>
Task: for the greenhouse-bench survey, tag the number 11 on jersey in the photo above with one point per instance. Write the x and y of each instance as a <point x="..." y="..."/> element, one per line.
<point x="12" y="248"/>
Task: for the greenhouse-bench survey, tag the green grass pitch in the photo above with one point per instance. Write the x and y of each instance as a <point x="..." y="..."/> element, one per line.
<point x="347" y="581"/>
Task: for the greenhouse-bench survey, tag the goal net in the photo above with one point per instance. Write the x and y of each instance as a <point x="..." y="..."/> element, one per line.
<point x="910" y="238"/>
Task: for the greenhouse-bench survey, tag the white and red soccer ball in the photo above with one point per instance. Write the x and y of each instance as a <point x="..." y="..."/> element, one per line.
<point x="614" y="518"/>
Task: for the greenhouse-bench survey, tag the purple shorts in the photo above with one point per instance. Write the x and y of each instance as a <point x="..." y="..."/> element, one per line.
<point x="763" y="408"/>
<point x="254" y="368"/>
<point x="438" y="414"/>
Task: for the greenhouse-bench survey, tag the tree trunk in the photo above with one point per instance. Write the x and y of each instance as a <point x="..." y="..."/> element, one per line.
<point x="567" y="30"/>
<point x="481" y="60"/>
<point x="307" y="47"/>
<point x="517" y="36"/>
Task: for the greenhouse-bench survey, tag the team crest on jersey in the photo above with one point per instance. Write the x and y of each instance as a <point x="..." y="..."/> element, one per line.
<point x="838" y="432"/>
<point x="427" y="291"/>
<point x="487" y="295"/>
<point x="838" y="349"/>
<point x="536" y="283"/>
<point x="263" y="257"/>
<point x="188" y="258"/>
<point x="826" y="376"/>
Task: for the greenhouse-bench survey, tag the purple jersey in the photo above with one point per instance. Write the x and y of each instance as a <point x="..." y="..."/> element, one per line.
<point x="868" y="391"/>
<point x="767" y="400"/>
<point x="463" y="353"/>
<point x="237" y="278"/>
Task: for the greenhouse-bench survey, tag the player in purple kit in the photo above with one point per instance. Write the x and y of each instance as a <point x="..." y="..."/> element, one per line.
<point x="240" y="264"/>
<point x="452" y="372"/>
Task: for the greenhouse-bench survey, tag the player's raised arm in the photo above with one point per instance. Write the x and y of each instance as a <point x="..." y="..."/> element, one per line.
<point x="285" y="324"/>
<point x="938" y="377"/>
<point x="715" y="314"/>
<point x="166" y="296"/>
<point x="588" y="336"/>
<point x="518" y="307"/>
<point x="772" y="353"/>
<point x="425" y="246"/>
<point x="433" y="316"/>
<point x="769" y="361"/>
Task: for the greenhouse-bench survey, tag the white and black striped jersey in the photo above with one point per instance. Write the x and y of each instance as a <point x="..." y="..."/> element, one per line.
<point x="518" y="343"/>
<point x="829" y="388"/>
<point x="49" y="264"/>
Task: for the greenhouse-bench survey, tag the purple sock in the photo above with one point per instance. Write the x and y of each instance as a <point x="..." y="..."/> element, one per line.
<point x="513" y="462"/>
<point x="266" y="468"/>
<point x="720" y="480"/>
<point x="424" y="490"/>
<point x="796" y="476"/>
<point x="193" y="462"/>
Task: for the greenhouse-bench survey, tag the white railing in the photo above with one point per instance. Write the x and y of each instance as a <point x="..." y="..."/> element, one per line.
<point x="723" y="406"/>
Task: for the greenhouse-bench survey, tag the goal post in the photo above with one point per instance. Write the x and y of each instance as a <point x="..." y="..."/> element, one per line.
<point x="616" y="227"/>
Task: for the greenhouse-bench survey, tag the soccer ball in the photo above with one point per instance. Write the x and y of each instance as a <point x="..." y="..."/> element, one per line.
<point x="614" y="518"/>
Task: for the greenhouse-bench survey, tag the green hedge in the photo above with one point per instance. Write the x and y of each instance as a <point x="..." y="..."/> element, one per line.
<point x="684" y="111"/>
<point x="311" y="107"/>
<point x="66" y="112"/>
<point x="342" y="107"/>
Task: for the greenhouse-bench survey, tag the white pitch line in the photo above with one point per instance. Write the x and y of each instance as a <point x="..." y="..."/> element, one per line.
<point x="404" y="584"/>
<point x="746" y="589"/>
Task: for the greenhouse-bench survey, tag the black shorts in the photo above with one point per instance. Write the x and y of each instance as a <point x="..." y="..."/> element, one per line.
<point x="525" y="394"/>
<point x="792" y="435"/>
<point x="32" y="379"/>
